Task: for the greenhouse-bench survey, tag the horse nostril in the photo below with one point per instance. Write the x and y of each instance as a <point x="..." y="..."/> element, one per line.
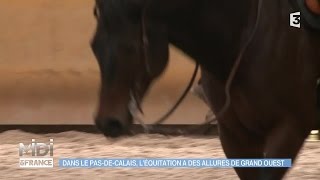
<point x="110" y="127"/>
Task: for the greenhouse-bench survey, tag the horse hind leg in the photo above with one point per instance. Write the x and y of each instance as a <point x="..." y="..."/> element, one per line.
<point x="238" y="142"/>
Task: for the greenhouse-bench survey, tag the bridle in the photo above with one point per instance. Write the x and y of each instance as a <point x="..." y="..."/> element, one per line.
<point x="231" y="76"/>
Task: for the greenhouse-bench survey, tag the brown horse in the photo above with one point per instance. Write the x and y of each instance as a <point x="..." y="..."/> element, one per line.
<point x="273" y="94"/>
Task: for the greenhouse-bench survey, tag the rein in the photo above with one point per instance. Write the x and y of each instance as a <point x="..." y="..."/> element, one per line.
<point x="235" y="67"/>
<point x="231" y="76"/>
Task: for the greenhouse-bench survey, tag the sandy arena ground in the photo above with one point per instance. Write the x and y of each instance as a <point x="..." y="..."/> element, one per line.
<point x="76" y="144"/>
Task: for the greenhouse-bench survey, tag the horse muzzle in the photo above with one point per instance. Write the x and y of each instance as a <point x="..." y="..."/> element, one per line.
<point x="114" y="127"/>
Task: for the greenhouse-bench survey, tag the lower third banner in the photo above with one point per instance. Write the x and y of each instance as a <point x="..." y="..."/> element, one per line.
<point x="171" y="163"/>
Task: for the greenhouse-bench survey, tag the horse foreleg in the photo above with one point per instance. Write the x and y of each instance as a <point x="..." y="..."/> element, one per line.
<point x="238" y="142"/>
<point x="284" y="141"/>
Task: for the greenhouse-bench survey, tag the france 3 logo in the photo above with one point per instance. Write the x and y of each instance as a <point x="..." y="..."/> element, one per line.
<point x="295" y="19"/>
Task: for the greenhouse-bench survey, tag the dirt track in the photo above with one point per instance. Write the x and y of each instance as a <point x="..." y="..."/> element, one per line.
<point x="75" y="144"/>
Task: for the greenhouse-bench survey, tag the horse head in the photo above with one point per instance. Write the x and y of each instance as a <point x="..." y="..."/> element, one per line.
<point x="132" y="50"/>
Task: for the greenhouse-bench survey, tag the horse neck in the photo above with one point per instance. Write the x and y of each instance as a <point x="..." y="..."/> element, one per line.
<point x="211" y="33"/>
